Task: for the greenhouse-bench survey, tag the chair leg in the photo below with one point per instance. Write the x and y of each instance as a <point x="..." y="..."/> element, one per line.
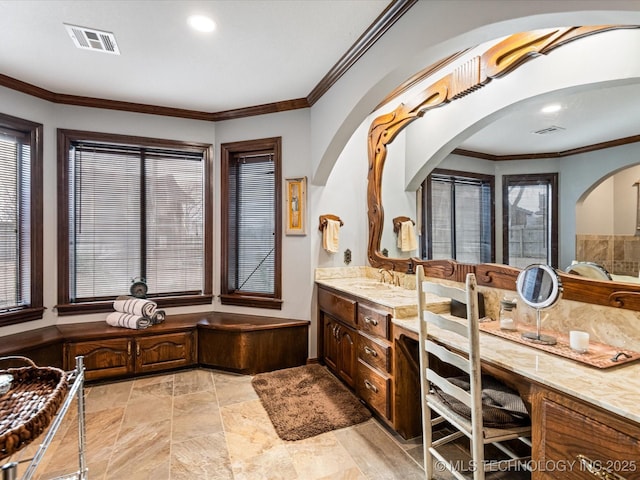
<point x="477" y="452"/>
<point x="427" y="440"/>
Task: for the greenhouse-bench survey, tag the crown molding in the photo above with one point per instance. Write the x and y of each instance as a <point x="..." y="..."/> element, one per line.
<point x="537" y="156"/>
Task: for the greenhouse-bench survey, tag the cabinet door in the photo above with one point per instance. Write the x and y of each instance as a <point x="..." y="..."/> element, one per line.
<point x="102" y="358"/>
<point x="330" y="343"/>
<point x="347" y="355"/>
<point x="163" y="352"/>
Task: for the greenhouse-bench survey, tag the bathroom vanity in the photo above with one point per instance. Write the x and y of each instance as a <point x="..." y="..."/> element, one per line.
<point x="586" y="421"/>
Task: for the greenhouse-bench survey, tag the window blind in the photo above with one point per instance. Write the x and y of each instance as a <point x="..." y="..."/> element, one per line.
<point x="15" y="220"/>
<point x="252" y="223"/>
<point x="134" y="212"/>
<point x="461" y="218"/>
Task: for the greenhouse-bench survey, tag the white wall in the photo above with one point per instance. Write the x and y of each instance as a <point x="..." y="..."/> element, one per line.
<point x="297" y="263"/>
<point x="610" y="208"/>
<point x="594" y="216"/>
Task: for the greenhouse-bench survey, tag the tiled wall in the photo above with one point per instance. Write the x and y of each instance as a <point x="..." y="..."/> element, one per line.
<point x="619" y="254"/>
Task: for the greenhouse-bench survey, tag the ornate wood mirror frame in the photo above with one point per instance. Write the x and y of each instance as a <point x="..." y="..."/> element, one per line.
<point x="496" y="62"/>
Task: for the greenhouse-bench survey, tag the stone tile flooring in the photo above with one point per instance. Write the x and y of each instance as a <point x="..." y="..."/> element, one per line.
<point x="206" y="424"/>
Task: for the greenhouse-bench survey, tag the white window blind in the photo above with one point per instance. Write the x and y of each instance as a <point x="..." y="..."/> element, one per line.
<point x="252" y="222"/>
<point x="15" y="220"/>
<point x="134" y="212"/>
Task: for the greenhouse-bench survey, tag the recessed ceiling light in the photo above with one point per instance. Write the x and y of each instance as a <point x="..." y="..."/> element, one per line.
<point x="201" y="23"/>
<point x="554" y="107"/>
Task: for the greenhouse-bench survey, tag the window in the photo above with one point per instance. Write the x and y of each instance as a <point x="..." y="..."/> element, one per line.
<point x="530" y="219"/>
<point x="459" y="217"/>
<point x="133" y="208"/>
<point x="20" y="220"/>
<point x="251" y="223"/>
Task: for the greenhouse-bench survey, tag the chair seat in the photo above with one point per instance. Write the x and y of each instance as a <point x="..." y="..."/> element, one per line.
<point x="463" y="424"/>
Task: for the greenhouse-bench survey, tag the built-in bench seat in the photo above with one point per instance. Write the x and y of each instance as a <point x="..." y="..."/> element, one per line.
<point x="240" y="343"/>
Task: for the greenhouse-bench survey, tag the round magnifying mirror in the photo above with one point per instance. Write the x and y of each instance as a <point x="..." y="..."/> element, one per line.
<point x="540" y="287"/>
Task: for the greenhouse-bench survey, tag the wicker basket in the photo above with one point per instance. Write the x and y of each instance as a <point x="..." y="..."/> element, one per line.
<point x="27" y="408"/>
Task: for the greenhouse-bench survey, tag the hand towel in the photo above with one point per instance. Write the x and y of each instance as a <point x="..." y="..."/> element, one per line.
<point x="127" y="320"/>
<point x="407" y="241"/>
<point x="331" y="236"/>
<point x="135" y="306"/>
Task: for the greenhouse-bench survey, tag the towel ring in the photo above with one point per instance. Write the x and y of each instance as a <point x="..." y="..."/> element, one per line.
<point x="398" y="221"/>
<point x="325" y="218"/>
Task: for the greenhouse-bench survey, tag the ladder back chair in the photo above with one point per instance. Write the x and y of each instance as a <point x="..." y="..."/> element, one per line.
<point x="474" y="405"/>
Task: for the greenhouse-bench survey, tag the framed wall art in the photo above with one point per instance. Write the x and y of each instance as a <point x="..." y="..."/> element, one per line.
<point x="296" y="191"/>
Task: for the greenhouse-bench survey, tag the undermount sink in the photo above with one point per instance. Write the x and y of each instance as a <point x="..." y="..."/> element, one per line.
<point x="373" y="286"/>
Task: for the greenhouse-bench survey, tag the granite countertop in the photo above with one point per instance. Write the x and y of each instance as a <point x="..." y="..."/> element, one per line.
<point x="613" y="389"/>
<point x="402" y="301"/>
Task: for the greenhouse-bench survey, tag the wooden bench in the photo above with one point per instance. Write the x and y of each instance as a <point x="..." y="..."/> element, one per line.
<point x="247" y="344"/>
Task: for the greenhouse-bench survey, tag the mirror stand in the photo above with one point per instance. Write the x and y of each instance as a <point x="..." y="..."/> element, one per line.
<point x="536" y="336"/>
<point x="539" y="287"/>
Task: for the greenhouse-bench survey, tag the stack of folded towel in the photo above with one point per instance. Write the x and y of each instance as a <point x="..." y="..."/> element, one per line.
<point x="135" y="313"/>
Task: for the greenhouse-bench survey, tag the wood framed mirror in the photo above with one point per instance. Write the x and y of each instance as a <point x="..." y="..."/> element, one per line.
<point x="496" y="62"/>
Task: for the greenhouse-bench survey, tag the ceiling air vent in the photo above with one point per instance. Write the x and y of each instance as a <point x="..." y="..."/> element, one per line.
<point x="551" y="129"/>
<point x="92" y="39"/>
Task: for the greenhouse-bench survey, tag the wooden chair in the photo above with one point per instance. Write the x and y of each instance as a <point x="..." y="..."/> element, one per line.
<point x="465" y="411"/>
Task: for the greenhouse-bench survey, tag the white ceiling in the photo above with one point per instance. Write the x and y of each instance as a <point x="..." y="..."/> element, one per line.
<point x="586" y="118"/>
<point x="261" y="52"/>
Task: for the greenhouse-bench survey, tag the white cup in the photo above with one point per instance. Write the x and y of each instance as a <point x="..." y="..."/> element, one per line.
<point x="579" y="341"/>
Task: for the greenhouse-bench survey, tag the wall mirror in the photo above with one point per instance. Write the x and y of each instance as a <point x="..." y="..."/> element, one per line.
<point x="497" y="61"/>
<point x="539" y="287"/>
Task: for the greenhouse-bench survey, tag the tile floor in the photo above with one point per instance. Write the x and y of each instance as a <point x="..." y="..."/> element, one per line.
<point x="206" y="424"/>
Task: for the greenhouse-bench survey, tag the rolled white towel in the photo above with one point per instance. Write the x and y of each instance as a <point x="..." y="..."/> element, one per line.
<point x="135" y="306"/>
<point x="127" y="320"/>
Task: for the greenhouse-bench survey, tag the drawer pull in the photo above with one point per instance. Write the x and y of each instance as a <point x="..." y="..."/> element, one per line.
<point x="129" y="348"/>
<point x="138" y="349"/>
<point x="370" y="351"/>
<point x="370" y="386"/>
<point x="597" y="470"/>
<point x="371" y="321"/>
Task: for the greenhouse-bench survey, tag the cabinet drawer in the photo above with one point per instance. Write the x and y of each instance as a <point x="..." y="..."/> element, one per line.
<point x="375" y="352"/>
<point x="374" y="322"/>
<point x="572" y="431"/>
<point x="340" y="307"/>
<point x="375" y="389"/>
<point x="163" y="352"/>
<point x="102" y="358"/>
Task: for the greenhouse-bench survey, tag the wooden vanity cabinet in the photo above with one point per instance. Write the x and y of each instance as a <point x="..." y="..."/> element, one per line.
<point x="354" y="343"/>
<point x="576" y="441"/>
<point x="128" y="355"/>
